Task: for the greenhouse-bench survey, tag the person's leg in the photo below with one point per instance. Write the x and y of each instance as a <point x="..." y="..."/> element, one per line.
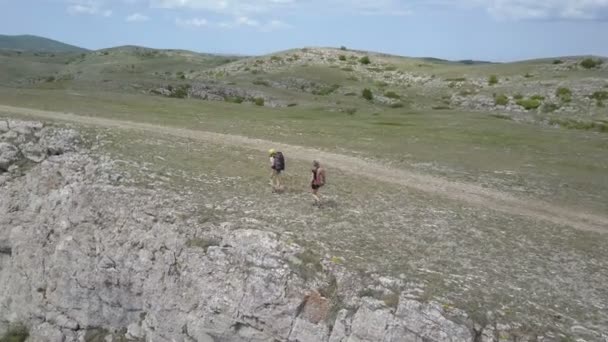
<point x="315" y="195"/>
<point x="273" y="179"/>
<point x="279" y="180"/>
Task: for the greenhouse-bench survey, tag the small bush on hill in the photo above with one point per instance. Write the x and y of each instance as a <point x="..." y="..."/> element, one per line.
<point x="234" y="99"/>
<point x="261" y="82"/>
<point x="347" y="69"/>
<point x="590" y="63"/>
<point x="456" y="79"/>
<point x="326" y="90"/>
<point x="564" y="94"/>
<point x="381" y="84"/>
<point x="501" y="100"/>
<point x="351" y="111"/>
<point x="493" y="80"/>
<point x="367" y="94"/>
<point x="343" y="48"/>
<point x="392" y="95"/>
<point x="390" y="68"/>
<point x="50" y="79"/>
<point x="600" y="95"/>
<point x="364" y="60"/>
<point x="396" y="105"/>
<point x="537" y="97"/>
<point x="276" y="58"/>
<point x="549" y="107"/>
<point x="528" y="75"/>
<point x="518" y="96"/>
<point x="180" y="92"/>
<point x="259" y="101"/>
<point x="529" y="104"/>
<point x="558" y="61"/>
<point x="342" y="57"/>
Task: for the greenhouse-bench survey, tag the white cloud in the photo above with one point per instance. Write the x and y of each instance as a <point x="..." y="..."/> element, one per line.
<point x="547" y="9"/>
<point x="194" y="22"/>
<point x="232" y="7"/>
<point x="238" y="22"/>
<point x="137" y="17"/>
<point x="91" y="7"/>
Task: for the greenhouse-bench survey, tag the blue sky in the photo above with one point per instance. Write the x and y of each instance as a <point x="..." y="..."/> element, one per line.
<point x="498" y="30"/>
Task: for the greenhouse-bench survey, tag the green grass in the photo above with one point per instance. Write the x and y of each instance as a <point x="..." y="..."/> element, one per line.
<point x="501" y="100"/>
<point x="15" y="333"/>
<point x="564" y="94"/>
<point x="529" y="104"/>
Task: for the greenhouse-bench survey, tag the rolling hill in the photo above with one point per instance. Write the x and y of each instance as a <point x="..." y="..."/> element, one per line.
<point x="36" y="44"/>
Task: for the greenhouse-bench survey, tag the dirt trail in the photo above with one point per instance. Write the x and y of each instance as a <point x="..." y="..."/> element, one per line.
<point x="468" y="193"/>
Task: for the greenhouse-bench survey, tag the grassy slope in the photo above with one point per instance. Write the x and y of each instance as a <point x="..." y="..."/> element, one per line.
<point x="521" y="158"/>
<point x="36" y="44"/>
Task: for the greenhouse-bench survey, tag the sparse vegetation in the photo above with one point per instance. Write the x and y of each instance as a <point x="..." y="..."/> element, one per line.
<point x="343" y="48"/>
<point x="15" y="333"/>
<point x="557" y="61"/>
<point x="397" y="105"/>
<point x="234" y="99"/>
<point x="259" y="101"/>
<point x="261" y="82"/>
<point x="518" y="96"/>
<point x="456" y="79"/>
<point x="324" y="91"/>
<point x="529" y="104"/>
<point x="501" y="116"/>
<point x="528" y="75"/>
<point x="590" y="63"/>
<point x="181" y="91"/>
<point x="367" y="94"/>
<point x="501" y="100"/>
<point x="365" y="60"/>
<point x="441" y="107"/>
<point x="392" y="95"/>
<point x="564" y="94"/>
<point x="342" y="58"/>
<point x="537" y="97"/>
<point x="599" y="97"/>
<point x="493" y="80"/>
<point x="347" y="69"/>
<point x="549" y="107"/>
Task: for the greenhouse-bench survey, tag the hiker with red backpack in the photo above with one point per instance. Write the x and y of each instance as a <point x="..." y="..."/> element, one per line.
<point x="318" y="180"/>
<point x="277" y="164"/>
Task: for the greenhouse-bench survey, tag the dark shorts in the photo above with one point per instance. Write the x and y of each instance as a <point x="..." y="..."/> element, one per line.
<point x="315" y="186"/>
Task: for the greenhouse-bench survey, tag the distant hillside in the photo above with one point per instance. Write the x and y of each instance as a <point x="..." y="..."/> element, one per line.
<point x="36" y="44"/>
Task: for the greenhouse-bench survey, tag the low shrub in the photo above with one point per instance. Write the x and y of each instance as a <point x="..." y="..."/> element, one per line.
<point x="392" y="95"/>
<point x="501" y="100"/>
<point x="590" y="63"/>
<point x="549" y="107"/>
<point x="367" y="94"/>
<point x="564" y="94"/>
<point x="364" y="60"/>
<point x="342" y="57"/>
<point x="396" y="105"/>
<point x="529" y="104"/>
<point x="261" y="82"/>
<point x="259" y="101"/>
<point x="518" y="96"/>
<point x="493" y="80"/>
<point x="324" y="91"/>
<point x="558" y="61"/>
<point x="537" y="97"/>
<point x="528" y="75"/>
